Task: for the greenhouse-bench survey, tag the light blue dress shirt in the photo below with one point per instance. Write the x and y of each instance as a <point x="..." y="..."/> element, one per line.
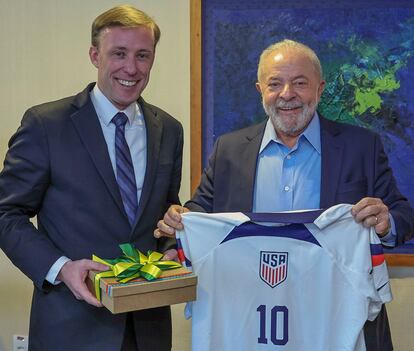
<point x="136" y="137"/>
<point x="290" y="179"/>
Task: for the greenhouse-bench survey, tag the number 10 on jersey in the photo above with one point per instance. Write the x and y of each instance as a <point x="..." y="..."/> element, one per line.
<point x="278" y="325"/>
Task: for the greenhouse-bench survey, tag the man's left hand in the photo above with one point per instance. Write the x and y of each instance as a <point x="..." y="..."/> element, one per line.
<point x="170" y="255"/>
<point x="372" y="212"/>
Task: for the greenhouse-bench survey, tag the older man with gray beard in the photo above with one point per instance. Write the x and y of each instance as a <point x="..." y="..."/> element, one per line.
<point x="297" y="159"/>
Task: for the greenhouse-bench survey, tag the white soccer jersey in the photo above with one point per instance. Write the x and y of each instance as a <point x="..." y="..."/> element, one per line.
<point x="305" y="286"/>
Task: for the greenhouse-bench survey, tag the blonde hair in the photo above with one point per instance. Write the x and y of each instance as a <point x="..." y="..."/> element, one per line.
<point x="290" y="44"/>
<point x="123" y="16"/>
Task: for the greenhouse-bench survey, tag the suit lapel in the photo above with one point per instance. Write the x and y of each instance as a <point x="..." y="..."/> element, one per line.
<point x="154" y="129"/>
<point x="332" y="153"/>
<point x="87" y="125"/>
<point x="248" y="158"/>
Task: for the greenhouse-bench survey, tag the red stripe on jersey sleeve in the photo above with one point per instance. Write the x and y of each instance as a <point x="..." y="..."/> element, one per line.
<point x="377" y="260"/>
<point x="181" y="255"/>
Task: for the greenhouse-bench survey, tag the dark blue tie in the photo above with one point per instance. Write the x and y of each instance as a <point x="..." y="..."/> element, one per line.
<point x="125" y="175"/>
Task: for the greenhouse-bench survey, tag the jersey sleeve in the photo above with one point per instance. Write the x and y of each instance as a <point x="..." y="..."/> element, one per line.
<point x="357" y="251"/>
<point x="202" y="233"/>
<point x="379" y="275"/>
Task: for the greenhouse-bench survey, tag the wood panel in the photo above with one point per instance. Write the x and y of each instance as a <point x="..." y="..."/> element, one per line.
<point x="196" y="92"/>
<point x="406" y="260"/>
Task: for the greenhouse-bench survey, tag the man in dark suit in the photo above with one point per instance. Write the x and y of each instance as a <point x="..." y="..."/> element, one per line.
<point x="299" y="160"/>
<point x="98" y="169"/>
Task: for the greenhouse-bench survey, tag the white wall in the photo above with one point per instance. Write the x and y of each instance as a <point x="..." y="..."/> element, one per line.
<point x="44" y="56"/>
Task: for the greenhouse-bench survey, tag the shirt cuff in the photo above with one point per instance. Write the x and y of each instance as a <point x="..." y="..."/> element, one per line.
<point x="390" y="238"/>
<point x="55" y="269"/>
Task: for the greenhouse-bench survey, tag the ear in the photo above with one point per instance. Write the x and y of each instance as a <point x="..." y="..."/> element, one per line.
<point x="258" y="88"/>
<point x="94" y="55"/>
<point x="321" y="89"/>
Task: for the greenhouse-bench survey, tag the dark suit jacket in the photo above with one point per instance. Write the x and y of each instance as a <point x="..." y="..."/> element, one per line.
<point x="58" y="168"/>
<point x="354" y="166"/>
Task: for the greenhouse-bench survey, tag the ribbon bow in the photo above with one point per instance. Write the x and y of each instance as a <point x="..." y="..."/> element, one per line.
<point x="132" y="264"/>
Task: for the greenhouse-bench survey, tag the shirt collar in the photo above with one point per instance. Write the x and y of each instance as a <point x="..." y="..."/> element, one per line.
<point x="312" y="133"/>
<point x="106" y="110"/>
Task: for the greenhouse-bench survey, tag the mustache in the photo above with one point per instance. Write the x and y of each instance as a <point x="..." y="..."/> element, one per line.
<point x="287" y="104"/>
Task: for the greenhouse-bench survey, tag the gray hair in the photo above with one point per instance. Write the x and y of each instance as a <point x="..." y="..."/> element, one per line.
<point x="290" y="44"/>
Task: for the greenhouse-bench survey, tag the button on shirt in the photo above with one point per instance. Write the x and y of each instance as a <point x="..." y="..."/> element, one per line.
<point x="288" y="179"/>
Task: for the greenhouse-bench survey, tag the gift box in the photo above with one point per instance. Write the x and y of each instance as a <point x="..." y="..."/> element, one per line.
<point x="168" y="287"/>
<point x="172" y="287"/>
<point x="135" y="281"/>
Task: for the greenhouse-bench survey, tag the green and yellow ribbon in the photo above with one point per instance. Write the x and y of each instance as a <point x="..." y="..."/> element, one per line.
<point x="132" y="264"/>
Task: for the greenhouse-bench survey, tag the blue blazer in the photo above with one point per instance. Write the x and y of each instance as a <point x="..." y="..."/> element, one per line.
<point x="58" y="168"/>
<point x="354" y="165"/>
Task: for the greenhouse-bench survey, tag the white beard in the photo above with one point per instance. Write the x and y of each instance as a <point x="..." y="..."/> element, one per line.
<point x="295" y="124"/>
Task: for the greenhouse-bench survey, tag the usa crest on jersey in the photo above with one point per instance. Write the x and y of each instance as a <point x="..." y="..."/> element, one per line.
<point x="273" y="267"/>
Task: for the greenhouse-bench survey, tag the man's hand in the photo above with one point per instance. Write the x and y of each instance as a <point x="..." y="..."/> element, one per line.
<point x="74" y="274"/>
<point x="171" y="222"/>
<point x="170" y="255"/>
<point x="372" y="212"/>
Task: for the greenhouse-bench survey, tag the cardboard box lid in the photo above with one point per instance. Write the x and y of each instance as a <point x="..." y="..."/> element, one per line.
<point x="169" y="279"/>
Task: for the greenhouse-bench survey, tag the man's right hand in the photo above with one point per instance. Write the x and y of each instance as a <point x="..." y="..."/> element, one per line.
<point x="171" y="222"/>
<point x="74" y="274"/>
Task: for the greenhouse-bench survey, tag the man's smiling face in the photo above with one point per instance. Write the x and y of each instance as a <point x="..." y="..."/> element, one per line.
<point x="291" y="88"/>
<point x="124" y="59"/>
